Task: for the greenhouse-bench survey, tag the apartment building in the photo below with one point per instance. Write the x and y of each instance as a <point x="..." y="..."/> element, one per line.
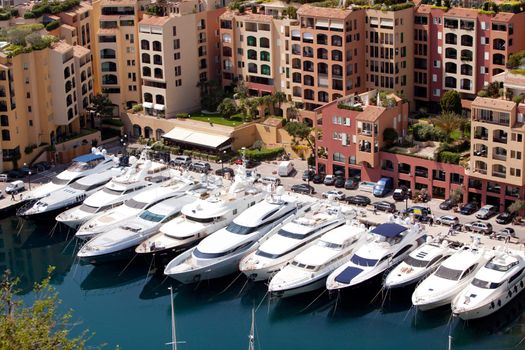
<point x="42" y="94"/>
<point x="76" y="25"/>
<point x="352" y="131"/>
<point x="389" y="48"/>
<point x="116" y="52"/>
<point x="179" y="53"/>
<point x="460" y="49"/>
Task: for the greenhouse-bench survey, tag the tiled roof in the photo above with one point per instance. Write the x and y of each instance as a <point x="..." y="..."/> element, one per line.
<point x="79" y="51"/>
<point x="502" y="17"/>
<point x="256" y="17"/>
<point x="423" y="8"/>
<point x="154" y="20"/>
<point x="496" y="103"/>
<point x="370" y="113"/>
<point x="514" y="79"/>
<point x="314" y="11"/>
<point x="61" y="46"/>
<point x="462" y="12"/>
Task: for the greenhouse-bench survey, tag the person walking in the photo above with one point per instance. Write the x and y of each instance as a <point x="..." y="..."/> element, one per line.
<point x="12" y="196"/>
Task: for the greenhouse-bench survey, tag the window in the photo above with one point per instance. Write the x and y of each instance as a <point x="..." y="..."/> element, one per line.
<point x="338" y="157"/>
<point x="176" y="56"/>
<point x="6" y="136"/>
<point x="176" y="44"/>
<point x="178" y="82"/>
<point x="178" y="71"/>
<point x="174" y="31"/>
<point x="436" y="92"/>
<point x="437" y="64"/>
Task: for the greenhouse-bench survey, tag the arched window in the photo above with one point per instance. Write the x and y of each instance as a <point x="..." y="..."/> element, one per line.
<point x="252" y="68"/>
<point x="308" y="80"/>
<point x="322" y="68"/>
<point x="70" y="114"/>
<point x="159" y="99"/>
<point x="68" y="86"/>
<point x="337" y="70"/>
<point x="107" y="53"/>
<point x="66" y="73"/>
<point x="322" y="96"/>
<point x="148" y="97"/>
<point x="146" y="71"/>
<point x="158" y="73"/>
<point x="159" y="133"/>
<point x="157" y="46"/>
<point x="144" y="44"/>
<point x="69" y="100"/>
<point x="251" y="41"/>
<point x="337" y="40"/>
<point x="265" y="56"/>
<point x="108" y="66"/>
<point x="451" y="67"/>
<point x="498" y="59"/>
<point x="466" y="69"/>
<point x="296" y="77"/>
<point x="322" y="54"/>
<point x="109" y="79"/>
<point x="226" y="38"/>
<point x="322" y="39"/>
<point x="264" y="42"/>
<point x="4" y="120"/>
<point x="146" y="58"/>
<point x="265" y="69"/>
<point x="6" y="136"/>
<point x="83" y="76"/>
<point x="337" y="55"/>
<point x="137" y="130"/>
<point x="157" y="59"/>
<point x="252" y="54"/>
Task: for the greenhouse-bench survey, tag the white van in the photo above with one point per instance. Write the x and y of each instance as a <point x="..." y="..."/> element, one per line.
<point x="285" y="168"/>
<point x="15" y="187"/>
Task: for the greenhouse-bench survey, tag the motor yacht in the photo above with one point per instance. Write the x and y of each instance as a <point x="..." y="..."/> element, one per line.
<point x="291" y="239"/>
<point x="309" y="269"/>
<point x="493" y="286"/>
<point x="113" y="194"/>
<point x="176" y="187"/>
<point x="119" y="242"/>
<point x="420" y="263"/>
<point x="67" y="197"/>
<point x="92" y="163"/>
<point x="386" y="245"/>
<point x="454" y="274"/>
<point x="219" y="254"/>
<point x="213" y="211"/>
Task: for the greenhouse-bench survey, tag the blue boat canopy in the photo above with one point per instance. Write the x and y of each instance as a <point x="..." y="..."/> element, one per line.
<point x="389" y="230"/>
<point x="348" y="274"/>
<point x="85" y="158"/>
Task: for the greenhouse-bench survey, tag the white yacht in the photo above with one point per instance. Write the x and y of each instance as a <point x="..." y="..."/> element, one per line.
<point x="420" y="263"/>
<point x="291" y="239"/>
<point x="309" y="269"/>
<point x="119" y="242"/>
<point x="67" y="197"/>
<point x="211" y="212"/>
<point x="386" y="245"/>
<point x="113" y="194"/>
<point x="493" y="286"/>
<point x="454" y="274"/>
<point x="132" y="207"/>
<point x="95" y="162"/>
<point x="219" y="254"/>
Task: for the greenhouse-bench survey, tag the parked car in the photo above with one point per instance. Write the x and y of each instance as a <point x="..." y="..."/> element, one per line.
<point x="389" y="207"/>
<point x="358" y="200"/>
<point x="308" y="175"/>
<point x="15" y="187"/>
<point x="270" y="180"/>
<point x="339" y="182"/>
<point x="448" y="220"/>
<point x="285" y="168"/>
<point x="329" y="180"/>
<point x="200" y="167"/>
<point x="486" y="212"/>
<point x="351" y="184"/>
<point x="337" y="194"/>
<point x="250" y="163"/>
<point x="15" y="174"/>
<point x="366" y="186"/>
<point x="303" y="188"/>
<point x="25" y="170"/>
<point x="420" y="213"/>
<point x="448" y="204"/>
<point x="181" y="161"/>
<point x="224" y="171"/>
<point x="383" y="186"/>
<point x="400" y="194"/>
<point x="318" y="179"/>
<point x="469" y="208"/>
<point x="4" y="177"/>
<point x="479" y="227"/>
<point x="505" y="218"/>
<point x="504" y="234"/>
<point x="40" y="166"/>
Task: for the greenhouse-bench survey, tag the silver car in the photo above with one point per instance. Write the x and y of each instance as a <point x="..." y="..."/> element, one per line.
<point x="448" y="220"/>
<point x="479" y="227"/>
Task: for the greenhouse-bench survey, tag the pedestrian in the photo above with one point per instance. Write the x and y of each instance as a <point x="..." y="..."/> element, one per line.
<point x="21" y="196"/>
<point x="12" y="196"/>
<point x="431" y="220"/>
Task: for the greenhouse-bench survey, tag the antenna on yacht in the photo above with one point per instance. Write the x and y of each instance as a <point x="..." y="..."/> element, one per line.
<point x="173" y="331"/>
<point x="251" y="337"/>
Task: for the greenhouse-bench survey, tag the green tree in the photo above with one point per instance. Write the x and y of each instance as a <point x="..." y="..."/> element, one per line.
<point x="36" y="326"/>
<point x="447" y="122"/>
<point x="301" y="131"/>
<point x="227" y="108"/>
<point x="212" y="95"/>
<point x="291" y="12"/>
<point x="456" y="195"/>
<point x="447" y="4"/>
<point x="241" y="90"/>
<point x="493" y="89"/>
<point x="516" y="206"/>
<point x="102" y="106"/>
<point x="451" y="102"/>
<point x="278" y="98"/>
<point x="390" y="136"/>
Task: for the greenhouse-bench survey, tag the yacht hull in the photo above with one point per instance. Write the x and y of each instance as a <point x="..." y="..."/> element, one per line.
<point x="108" y="257"/>
<point x="47" y="214"/>
<point x="165" y="255"/>
<point x="426" y="306"/>
<point x="263" y="274"/>
<point x="300" y="289"/>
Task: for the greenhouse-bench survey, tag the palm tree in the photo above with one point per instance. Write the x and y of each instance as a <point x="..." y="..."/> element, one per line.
<point x="448" y="122"/>
<point x="279" y="97"/>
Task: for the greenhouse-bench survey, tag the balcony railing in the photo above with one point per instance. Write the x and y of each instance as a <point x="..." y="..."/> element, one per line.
<point x="480" y="171"/>
<point x="498" y="174"/>
<point x="500" y="139"/>
<point x="481" y="136"/>
<point x="499" y="156"/>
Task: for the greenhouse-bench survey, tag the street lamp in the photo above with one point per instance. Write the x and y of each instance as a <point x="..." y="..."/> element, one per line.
<point x="28" y="177"/>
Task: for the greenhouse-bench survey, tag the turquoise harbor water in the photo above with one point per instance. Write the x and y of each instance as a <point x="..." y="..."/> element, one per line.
<point x="129" y="308"/>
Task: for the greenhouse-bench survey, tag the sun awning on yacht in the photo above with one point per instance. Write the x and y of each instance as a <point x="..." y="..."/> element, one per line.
<point x="348" y="274"/>
<point x="389" y="230"/>
<point x="198" y="138"/>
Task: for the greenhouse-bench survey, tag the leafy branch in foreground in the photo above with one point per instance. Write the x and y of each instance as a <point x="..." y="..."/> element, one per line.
<point x="36" y="326"/>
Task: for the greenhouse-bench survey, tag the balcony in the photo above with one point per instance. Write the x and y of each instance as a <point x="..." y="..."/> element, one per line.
<point x="480" y="171"/>
<point x="467" y="25"/>
<point x="480" y="151"/>
<point x="499" y="174"/>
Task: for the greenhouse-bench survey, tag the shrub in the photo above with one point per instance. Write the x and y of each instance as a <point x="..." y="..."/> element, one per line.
<point x="29" y="15"/>
<point x="448" y="157"/>
<point x="113" y="122"/>
<point x="137" y="108"/>
<point x="390" y="135"/>
<point x="483" y="93"/>
<point x="263" y="154"/>
<point x="52" y="25"/>
<point x="4" y="16"/>
<point x="427" y="132"/>
<point x="182" y="115"/>
<point x="351" y="108"/>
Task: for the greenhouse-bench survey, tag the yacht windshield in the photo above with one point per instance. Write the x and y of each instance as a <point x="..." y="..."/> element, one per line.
<point x="78" y="186"/>
<point x="292" y="235"/>
<point x="449" y="274"/>
<point x="360" y="261"/>
<point x="131" y="203"/>
<point x="149" y="216"/>
<point x="303" y="266"/>
<point x="113" y="192"/>
<point x="415" y="262"/>
<point x="485" y="285"/>
<point x="201" y="220"/>
<point x="498" y="267"/>
<point x="58" y="181"/>
<point x="88" y="208"/>
<point x="240" y="229"/>
<point x="77" y="166"/>
<point x="330" y="245"/>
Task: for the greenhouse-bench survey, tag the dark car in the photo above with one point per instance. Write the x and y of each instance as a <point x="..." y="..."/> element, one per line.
<point x="389" y="207"/>
<point x="400" y="194"/>
<point x="24" y="170"/>
<point x="224" y="171"/>
<point x="358" y="200"/>
<point x="250" y="163"/>
<point x="339" y="182"/>
<point x="351" y="184"/>
<point x="308" y="175"/>
<point x="40" y="166"/>
<point x="420" y="213"/>
<point x="303" y="188"/>
<point x="318" y="179"/>
<point x="448" y="204"/>
<point x="505" y="218"/>
<point x="469" y="208"/>
<point x="15" y="174"/>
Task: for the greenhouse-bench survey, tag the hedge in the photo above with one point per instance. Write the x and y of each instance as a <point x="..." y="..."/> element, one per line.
<point x="52" y="25"/>
<point x="263" y="154"/>
<point x="51" y="8"/>
<point x="113" y="122"/>
<point x="182" y="115"/>
<point x="4" y="16"/>
<point x="351" y="108"/>
<point x="448" y="157"/>
<point x="201" y="155"/>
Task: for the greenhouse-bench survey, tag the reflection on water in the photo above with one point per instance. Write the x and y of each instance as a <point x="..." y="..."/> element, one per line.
<point x="128" y="306"/>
